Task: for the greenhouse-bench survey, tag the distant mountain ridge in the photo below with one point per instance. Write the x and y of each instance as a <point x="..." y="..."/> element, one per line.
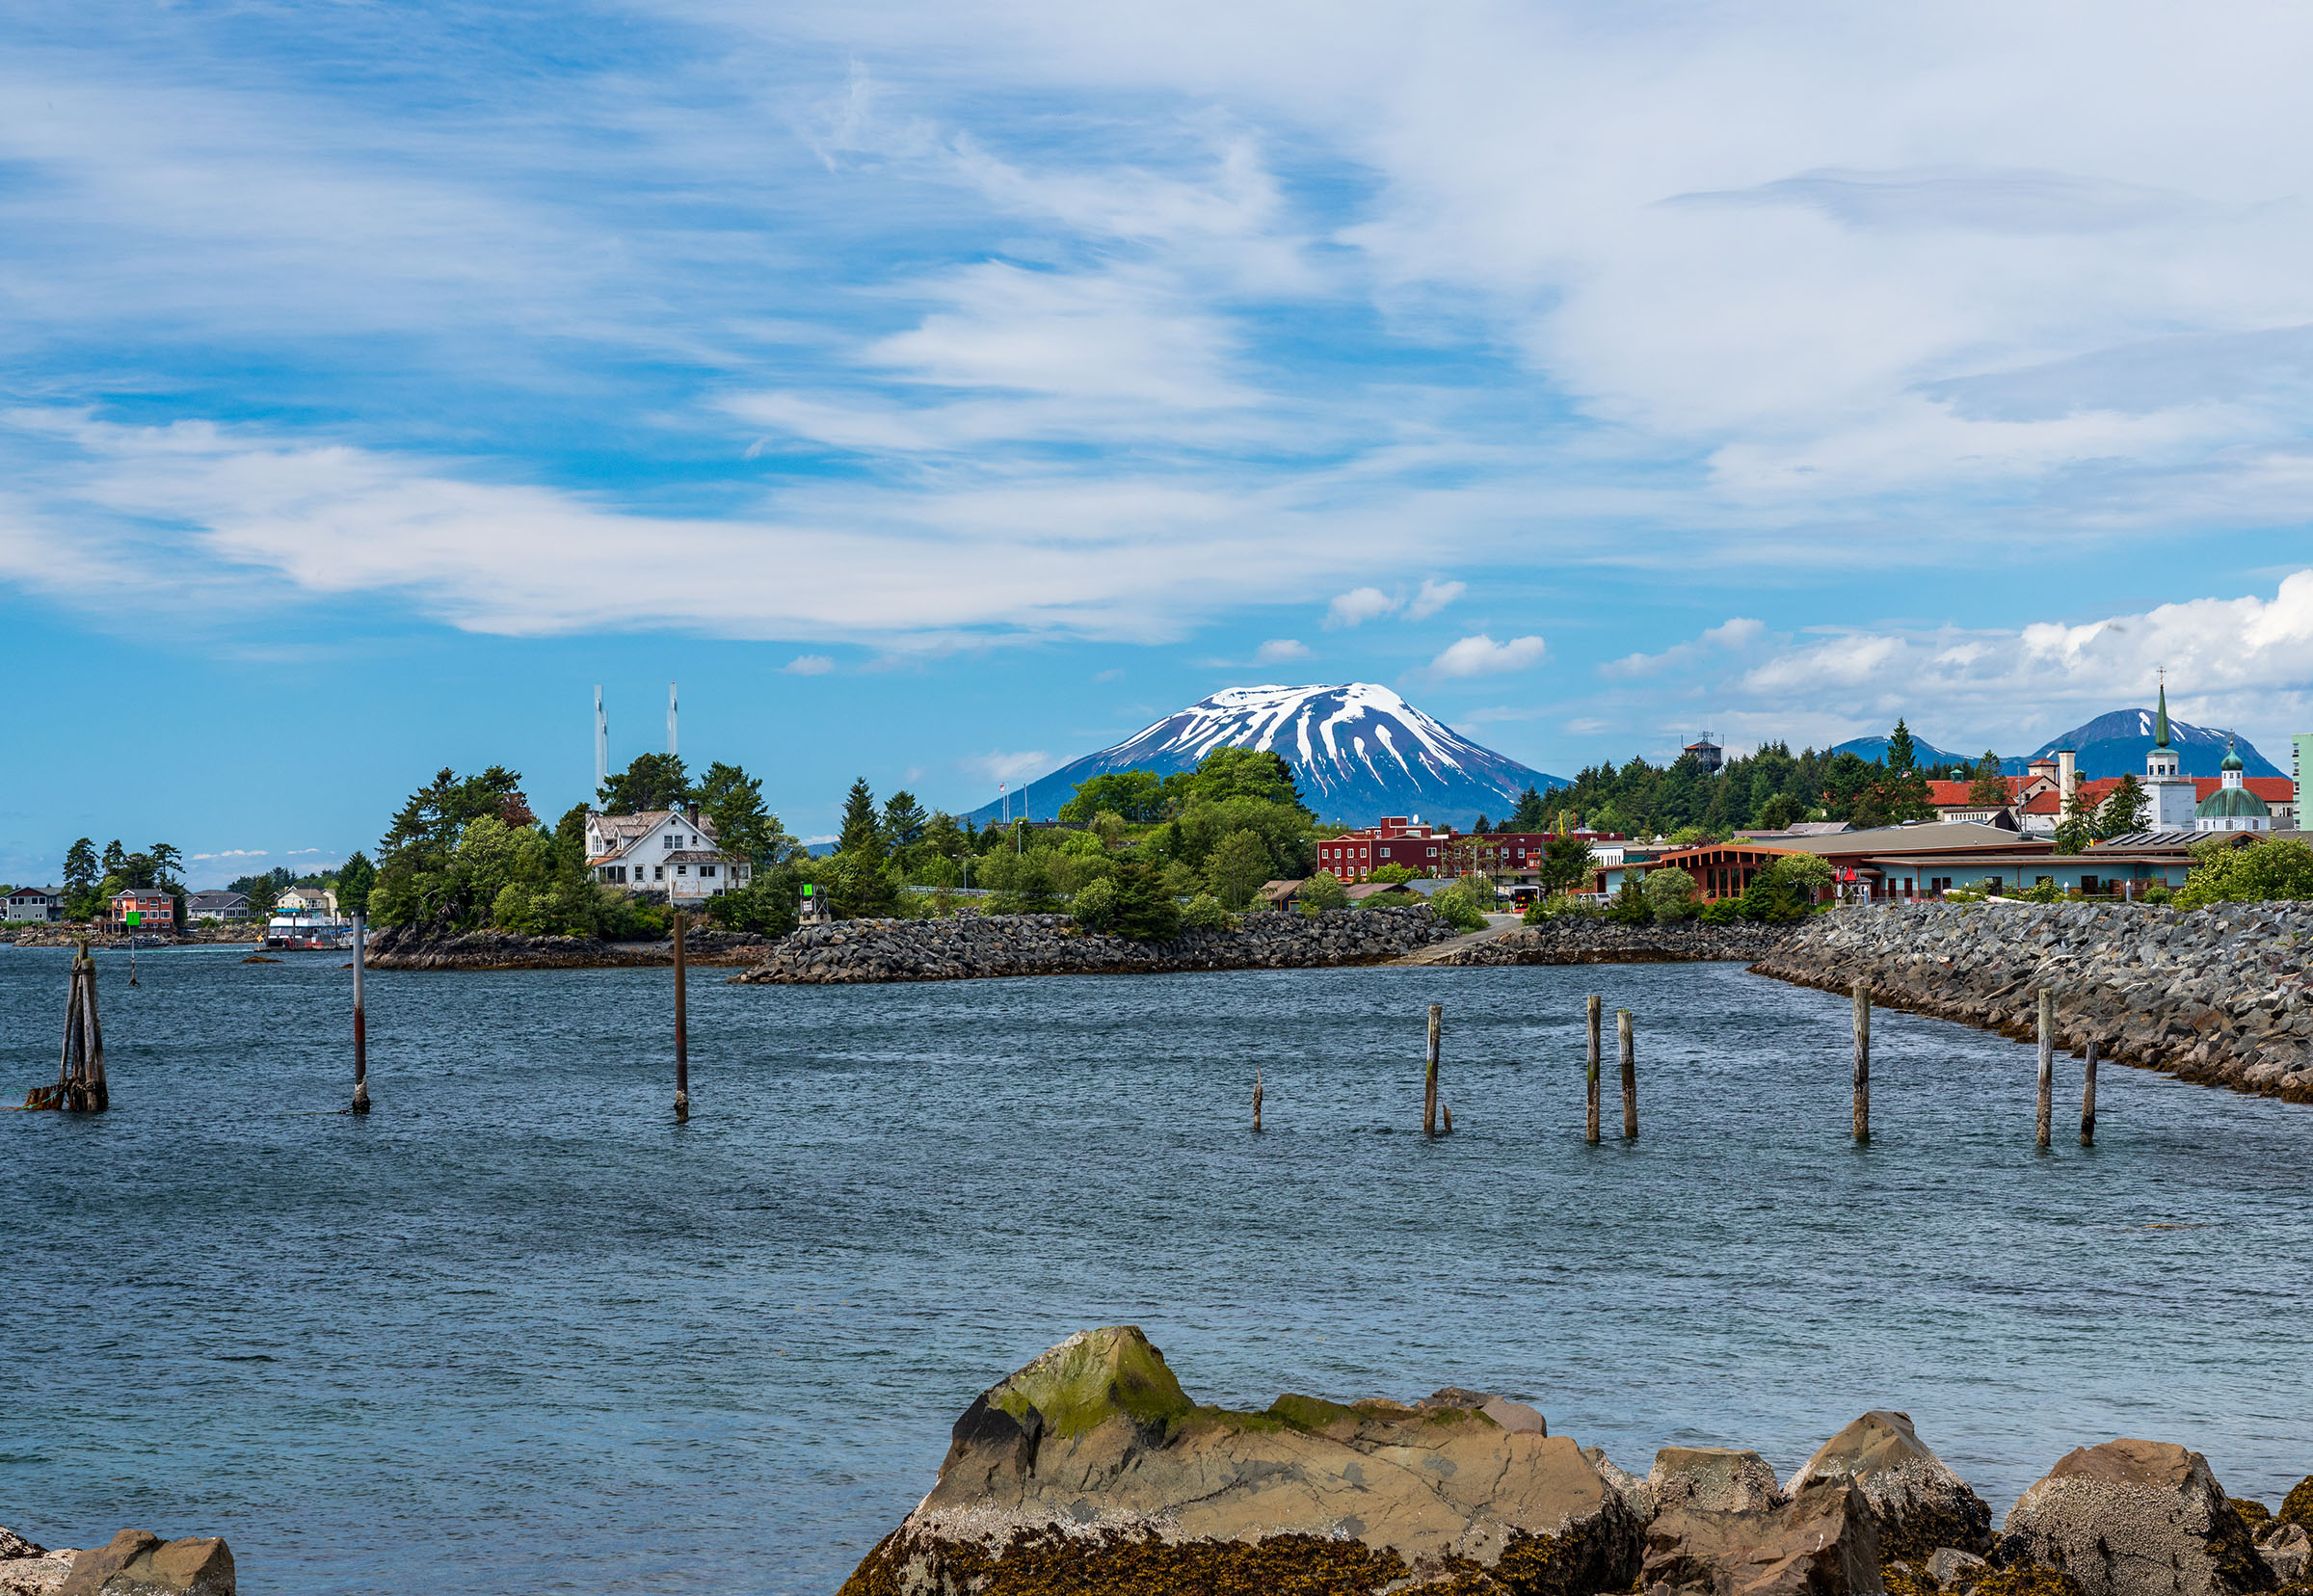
<point x="2113" y="744"/>
<point x="1358" y="751"/>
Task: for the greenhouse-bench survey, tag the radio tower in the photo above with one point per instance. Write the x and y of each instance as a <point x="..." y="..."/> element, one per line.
<point x="670" y="718"/>
<point x="602" y="744"/>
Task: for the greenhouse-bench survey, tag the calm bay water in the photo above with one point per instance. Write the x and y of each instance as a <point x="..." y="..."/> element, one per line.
<point x="517" y="1332"/>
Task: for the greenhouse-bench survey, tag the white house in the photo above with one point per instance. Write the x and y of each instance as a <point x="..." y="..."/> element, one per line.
<point x="35" y="903"/>
<point x="670" y="851"/>
<point x="307" y="900"/>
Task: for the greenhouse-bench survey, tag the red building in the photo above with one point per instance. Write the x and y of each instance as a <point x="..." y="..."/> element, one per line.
<point x="156" y="909"/>
<point x="1354" y="856"/>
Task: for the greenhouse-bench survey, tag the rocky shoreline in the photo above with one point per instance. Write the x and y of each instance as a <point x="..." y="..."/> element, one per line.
<point x="973" y="947"/>
<point x="1590" y="939"/>
<point x="2216" y="996"/>
<point x="409" y="947"/>
<point x="62" y="934"/>
<point x="135" y="1562"/>
<point x="1090" y="1469"/>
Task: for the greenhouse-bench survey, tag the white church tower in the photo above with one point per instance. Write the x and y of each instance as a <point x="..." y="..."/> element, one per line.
<point x="2170" y="800"/>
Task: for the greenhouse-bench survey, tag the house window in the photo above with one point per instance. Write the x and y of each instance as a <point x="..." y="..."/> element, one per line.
<point x="667" y="841"/>
<point x="682" y="870"/>
<point x="658" y="872"/>
<point x="706" y="869"/>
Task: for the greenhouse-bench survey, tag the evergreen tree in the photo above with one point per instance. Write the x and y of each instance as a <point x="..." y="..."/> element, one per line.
<point x="1529" y="816"/>
<point x="1481" y="828"/>
<point x="80" y="880"/>
<point x="652" y="782"/>
<point x="114" y="855"/>
<point x="863" y="832"/>
<point x="164" y="859"/>
<point x="354" y="880"/>
<point x="2125" y="809"/>
<point x="1987" y="788"/>
<point x="733" y="802"/>
<point x="904" y="820"/>
<point x="1902" y="754"/>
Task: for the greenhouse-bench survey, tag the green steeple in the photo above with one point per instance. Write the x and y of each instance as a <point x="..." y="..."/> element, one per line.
<point x="2232" y="759"/>
<point x="2160" y="727"/>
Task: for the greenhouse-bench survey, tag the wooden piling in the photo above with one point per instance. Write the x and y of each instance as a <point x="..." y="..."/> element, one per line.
<point x="80" y="1070"/>
<point x="2087" y="1097"/>
<point x="361" y="1017"/>
<point x="1629" y="1073"/>
<point x="2047" y="1066"/>
<point x="1590" y="1126"/>
<point x="1257" y="1102"/>
<point x="683" y="1049"/>
<point x="1863" y="1062"/>
<point x="1429" y="1088"/>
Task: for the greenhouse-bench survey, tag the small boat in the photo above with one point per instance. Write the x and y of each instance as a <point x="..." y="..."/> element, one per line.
<point x="309" y="929"/>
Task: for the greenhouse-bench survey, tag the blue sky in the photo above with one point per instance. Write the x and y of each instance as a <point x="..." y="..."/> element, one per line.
<point x="939" y="392"/>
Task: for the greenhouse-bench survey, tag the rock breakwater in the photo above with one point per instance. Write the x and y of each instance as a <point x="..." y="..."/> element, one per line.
<point x="409" y="947"/>
<point x="1090" y="1469"/>
<point x="2216" y="996"/>
<point x="973" y="946"/>
<point x="1589" y="938"/>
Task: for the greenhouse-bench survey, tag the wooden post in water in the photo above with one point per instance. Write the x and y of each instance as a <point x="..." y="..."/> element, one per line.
<point x="361" y="1017"/>
<point x="682" y="1046"/>
<point x="1590" y="1125"/>
<point x="1629" y="1073"/>
<point x="1429" y="1088"/>
<point x="2047" y="1066"/>
<point x="80" y="1073"/>
<point x="1257" y="1101"/>
<point x="2088" y="1099"/>
<point x="1863" y="1062"/>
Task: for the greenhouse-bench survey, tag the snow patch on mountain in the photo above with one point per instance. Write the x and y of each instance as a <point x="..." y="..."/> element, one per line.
<point x="1358" y="749"/>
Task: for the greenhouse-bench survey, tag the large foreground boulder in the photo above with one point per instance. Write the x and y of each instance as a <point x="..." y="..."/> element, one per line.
<point x="139" y="1563"/>
<point x="1920" y="1503"/>
<point x="1091" y="1469"/>
<point x="2139" y="1518"/>
<point x="1823" y="1541"/>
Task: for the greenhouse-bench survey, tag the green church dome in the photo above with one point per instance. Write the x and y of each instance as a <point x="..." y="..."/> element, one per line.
<point x="2231" y="803"/>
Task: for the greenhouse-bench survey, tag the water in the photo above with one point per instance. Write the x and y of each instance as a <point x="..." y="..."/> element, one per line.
<point x="517" y="1333"/>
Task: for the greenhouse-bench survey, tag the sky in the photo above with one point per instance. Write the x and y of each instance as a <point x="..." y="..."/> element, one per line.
<point x="938" y="392"/>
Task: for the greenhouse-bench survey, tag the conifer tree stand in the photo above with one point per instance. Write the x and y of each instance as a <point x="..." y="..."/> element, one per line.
<point x="80" y="1078"/>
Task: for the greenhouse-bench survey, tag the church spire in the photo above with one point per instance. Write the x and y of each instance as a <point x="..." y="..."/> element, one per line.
<point x="2160" y="727"/>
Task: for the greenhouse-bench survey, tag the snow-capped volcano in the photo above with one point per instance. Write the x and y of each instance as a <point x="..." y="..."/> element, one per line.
<point x="1358" y="751"/>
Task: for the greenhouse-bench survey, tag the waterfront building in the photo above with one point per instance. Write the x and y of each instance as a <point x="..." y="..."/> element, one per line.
<point x="155" y="910"/>
<point x="670" y="851"/>
<point x="307" y="900"/>
<point x="35" y="903"/>
<point x="2232" y="806"/>
<point x="1394" y="839"/>
<point x="217" y="904"/>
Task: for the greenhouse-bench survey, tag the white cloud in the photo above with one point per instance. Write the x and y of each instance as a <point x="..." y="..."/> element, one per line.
<point x="1278" y="649"/>
<point x="233" y="853"/>
<point x="810" y="664"/>
<point x="1729" y="636"/>
<point x="998" y="766"/>
<point x="1434" y="596"/>
<point x="1357" y="606"/>
<point x="1481" y="655"/>
<point x="2244" y="662"/>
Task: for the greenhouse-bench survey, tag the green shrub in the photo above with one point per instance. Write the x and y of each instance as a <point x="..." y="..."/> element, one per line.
<point x="1322" y="891"/>
<point x="1457" y="908"/>
<point x="2160" y="895"/>
<point x="1670" y="893"/>
<point x="1205" y="912"/>
<point x="1393" y="874"/>
<point x="1721" y="912"/>
<point x="2262" y="871"/>
<point x="1556" y="904"/>
<point x="1095" y="907"/>
<point x="1630" y="906"/>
